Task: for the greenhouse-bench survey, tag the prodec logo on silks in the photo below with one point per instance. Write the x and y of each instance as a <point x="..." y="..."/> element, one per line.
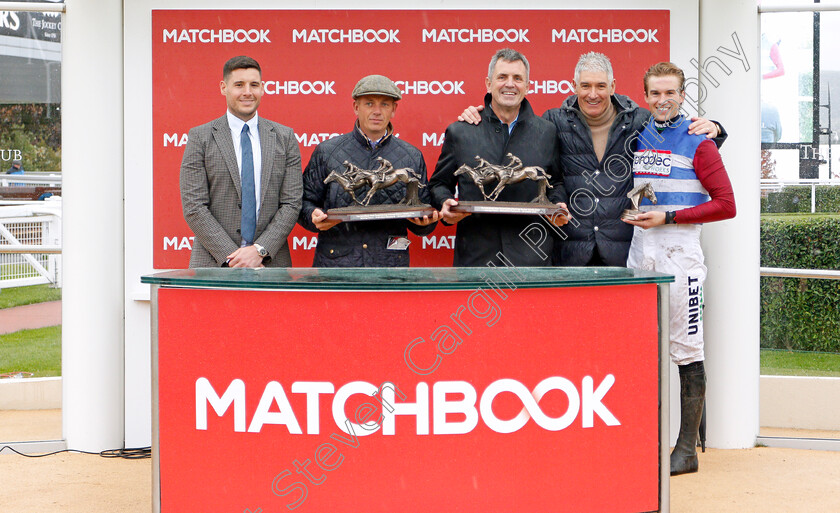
<point x="652" y="162"/>
<point x="274" y="406"/>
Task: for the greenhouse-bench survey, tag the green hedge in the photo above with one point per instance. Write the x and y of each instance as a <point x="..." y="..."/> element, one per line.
<point x="800" y="313"/>
<point x="34" y="130"/>
<point x="797" y="199"/>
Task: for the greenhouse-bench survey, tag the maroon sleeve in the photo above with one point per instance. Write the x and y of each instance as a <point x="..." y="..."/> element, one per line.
<point x="712" y="175"/>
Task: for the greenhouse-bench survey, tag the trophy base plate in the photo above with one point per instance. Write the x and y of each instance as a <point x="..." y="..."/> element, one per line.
<point x="379" y="212"/>
<point x="509" y="207"/>
<point x="630" y="214"/>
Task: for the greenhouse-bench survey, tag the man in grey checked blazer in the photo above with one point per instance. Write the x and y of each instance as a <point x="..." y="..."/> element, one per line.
<point x="211" y="185"/>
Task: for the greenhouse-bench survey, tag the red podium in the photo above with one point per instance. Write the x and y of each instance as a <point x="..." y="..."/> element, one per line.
<point x="410" y="390"/>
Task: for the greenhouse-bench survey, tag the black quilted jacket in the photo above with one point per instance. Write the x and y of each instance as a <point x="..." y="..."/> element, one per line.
<point x="596" y="192"/>
<point x="359" y="244"/>
<point x="479" y="237"/>
<point x="600" y="198"/>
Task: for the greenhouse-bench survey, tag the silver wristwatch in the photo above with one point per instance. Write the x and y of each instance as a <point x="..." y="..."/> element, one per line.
<point x="261" y="250"/>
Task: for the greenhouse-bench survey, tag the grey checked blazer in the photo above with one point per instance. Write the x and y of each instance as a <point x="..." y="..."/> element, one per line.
<point x="211" y="192"/>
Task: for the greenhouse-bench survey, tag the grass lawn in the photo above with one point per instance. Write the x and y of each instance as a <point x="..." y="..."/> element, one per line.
<point x="18" y="296"/>
<point x="37" y="351"/>
<point x="799" y="215"/>
<point x="776" y="362"/>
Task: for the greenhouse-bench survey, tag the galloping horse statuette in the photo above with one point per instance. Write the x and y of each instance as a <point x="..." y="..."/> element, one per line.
<point x="511" y="173"/>
<point x="385" y="176"/>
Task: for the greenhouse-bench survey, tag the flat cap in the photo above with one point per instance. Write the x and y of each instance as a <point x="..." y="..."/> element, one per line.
<point x="377" y="84"/>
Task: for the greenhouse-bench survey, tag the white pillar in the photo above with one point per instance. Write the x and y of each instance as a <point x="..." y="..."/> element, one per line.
<point x="731" y="318"/>
<point x="92" y="167"/>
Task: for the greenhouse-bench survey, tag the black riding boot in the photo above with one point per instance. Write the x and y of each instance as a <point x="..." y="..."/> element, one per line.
<point x="692" y="396"/>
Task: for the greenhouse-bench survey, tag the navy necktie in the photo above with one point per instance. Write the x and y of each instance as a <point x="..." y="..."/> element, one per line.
<point x="249" y="201"/>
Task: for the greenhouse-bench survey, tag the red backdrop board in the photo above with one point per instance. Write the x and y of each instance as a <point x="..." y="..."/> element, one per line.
<point x="250" y="405"/>
<point x="312" y="59"/>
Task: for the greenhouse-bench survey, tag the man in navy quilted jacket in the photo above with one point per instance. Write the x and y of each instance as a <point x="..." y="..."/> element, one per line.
<point x="381" y="243"/>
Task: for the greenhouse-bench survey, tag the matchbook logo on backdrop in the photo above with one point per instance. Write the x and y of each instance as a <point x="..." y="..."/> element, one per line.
<point x="551" y="87"/>
<point x="615" y="35"/>
<point x="476" y="35"/>
<point x="299" y="87"/>
<point x="345" y="36"/>
<point x="204" y="35"/>
<point x="431" y="86"/>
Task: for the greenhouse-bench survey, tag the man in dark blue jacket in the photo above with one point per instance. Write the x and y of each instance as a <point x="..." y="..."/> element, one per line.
<point x="369" y="243"/>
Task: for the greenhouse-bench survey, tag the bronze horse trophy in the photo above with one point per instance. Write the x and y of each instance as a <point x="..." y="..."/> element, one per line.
<point x="639" y="192"/>
<point x="511" y="173"/>
<point x="354" y="178"/>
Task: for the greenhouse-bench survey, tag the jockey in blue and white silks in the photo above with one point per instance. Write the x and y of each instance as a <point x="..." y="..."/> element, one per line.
<point x="691" y="186"/>
<point x="666" y="161"/>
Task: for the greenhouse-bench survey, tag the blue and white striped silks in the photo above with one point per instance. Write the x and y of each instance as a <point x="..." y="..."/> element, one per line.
<point x="666" y="161"/>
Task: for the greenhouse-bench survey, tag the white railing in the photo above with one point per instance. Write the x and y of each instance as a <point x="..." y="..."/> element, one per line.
<point x="774" y="185"/>
<point x="798" y="6"/>
<point x="30" y="239"/>
<point x="31" y="180"/>
<point x="34" y="6"/>
<point x="783" y="272"/>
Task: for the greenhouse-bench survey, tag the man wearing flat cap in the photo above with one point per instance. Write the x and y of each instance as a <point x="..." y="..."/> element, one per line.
<point x="380" y="243"/>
